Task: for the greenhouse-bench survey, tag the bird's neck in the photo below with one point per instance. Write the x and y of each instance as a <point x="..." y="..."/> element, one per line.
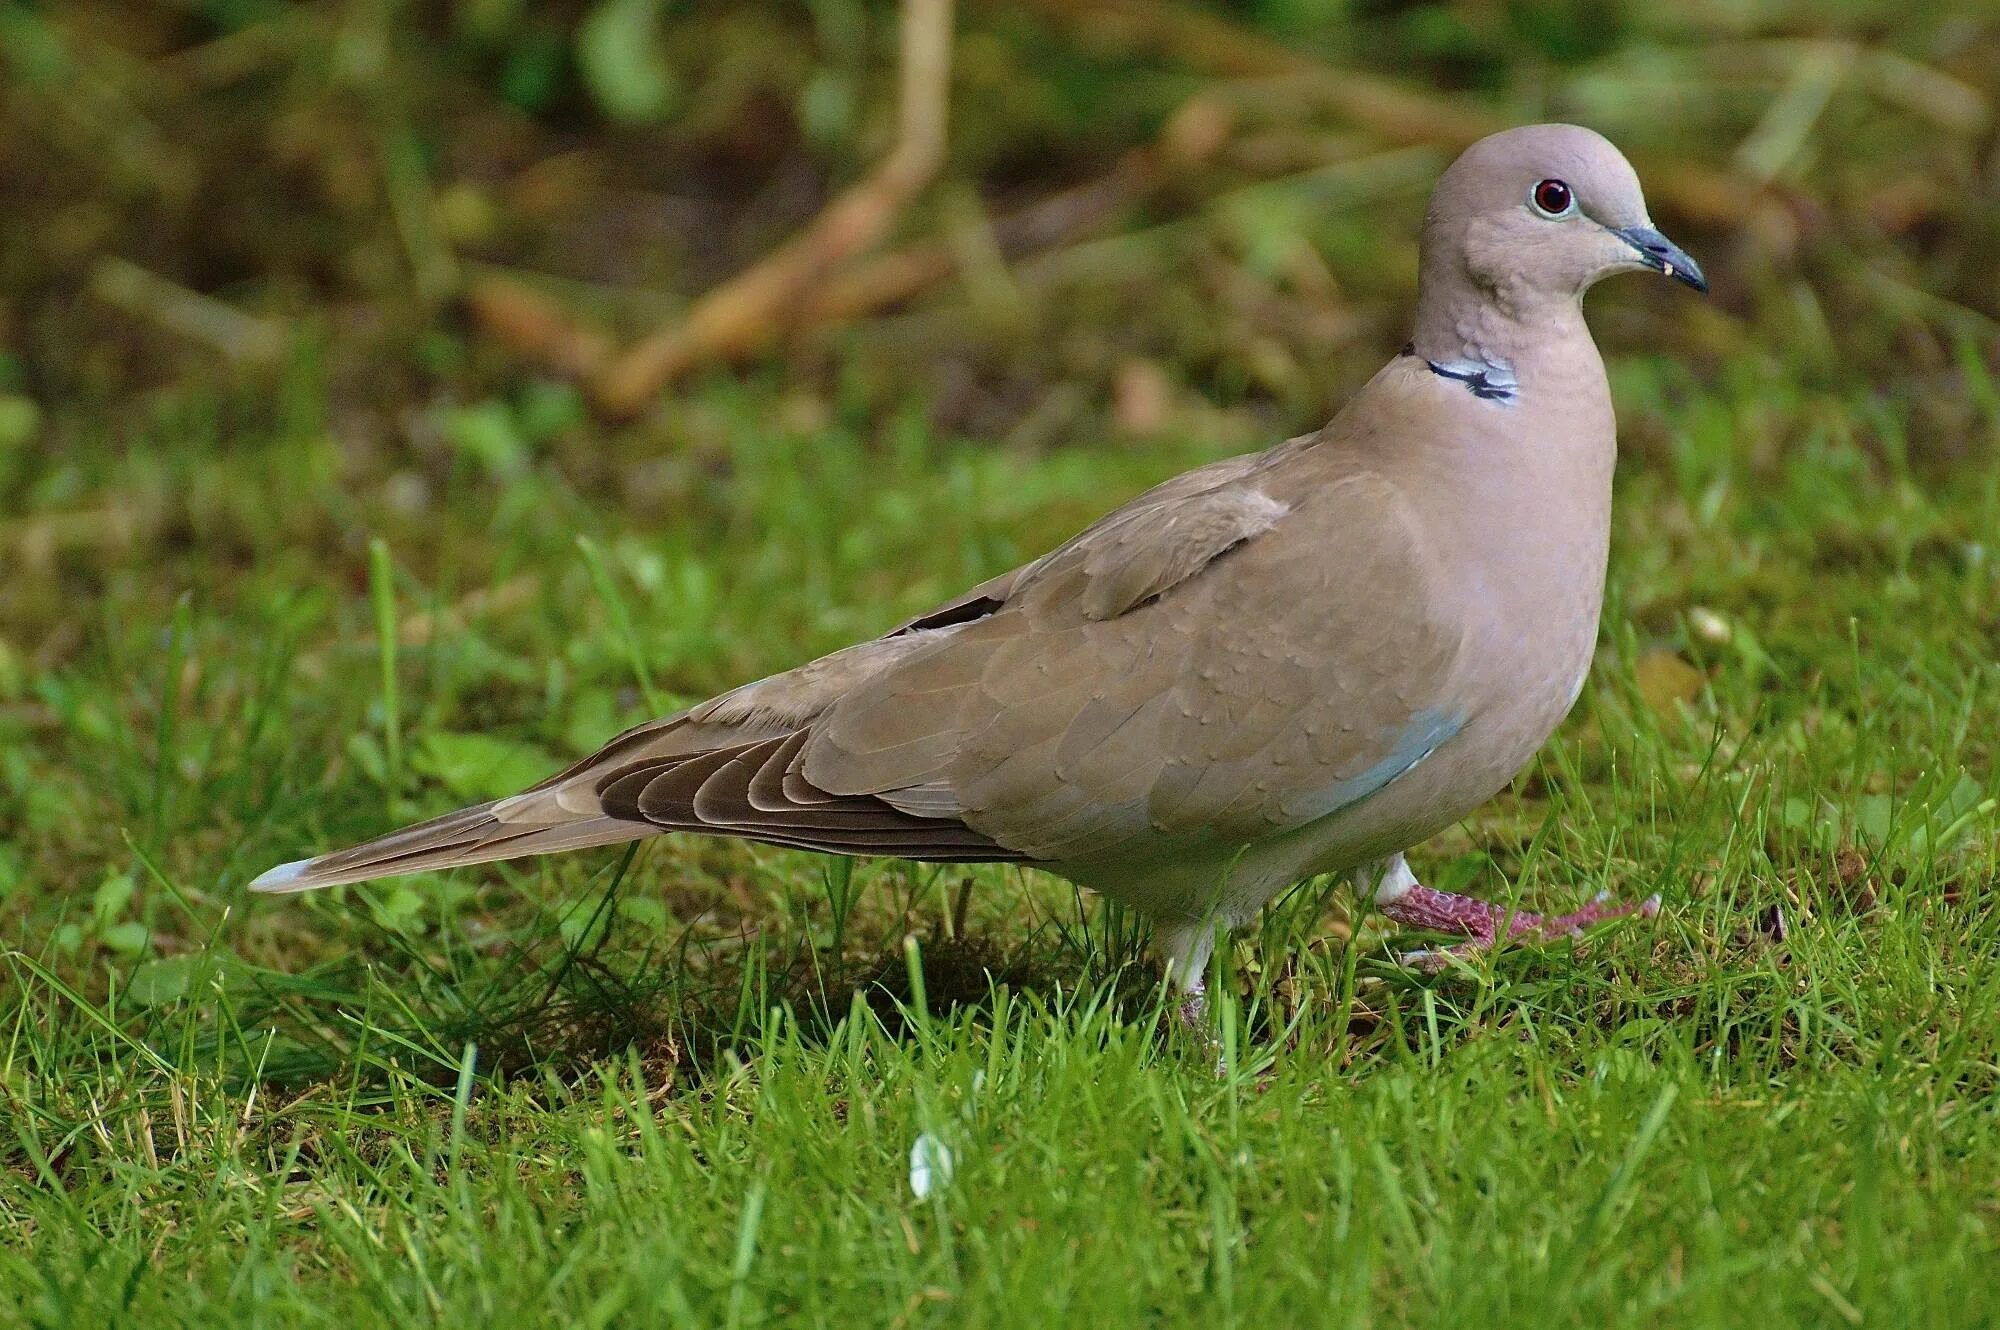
<point x="1490" y="341"/>
<point x="1525" y="389"/>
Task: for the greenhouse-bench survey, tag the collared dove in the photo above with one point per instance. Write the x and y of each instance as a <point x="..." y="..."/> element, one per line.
<point x="1284" y="664"/>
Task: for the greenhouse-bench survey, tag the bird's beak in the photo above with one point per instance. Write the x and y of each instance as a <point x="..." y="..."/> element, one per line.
<point x="1663" y="255"/>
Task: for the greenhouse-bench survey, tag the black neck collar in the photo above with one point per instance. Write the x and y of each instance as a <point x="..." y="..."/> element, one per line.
<point x="1489" y="381"/>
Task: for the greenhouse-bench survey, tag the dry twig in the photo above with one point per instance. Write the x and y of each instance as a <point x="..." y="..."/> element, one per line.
<point x="201" y="318"/>
<point x="535" y="326"/>
<point x="753" y="309"/>
<point x="1192" y="135"/>
<point x="539" y="328"/>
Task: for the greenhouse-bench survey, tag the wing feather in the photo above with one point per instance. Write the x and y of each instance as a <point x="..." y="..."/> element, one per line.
<point x="1174" y="673"/>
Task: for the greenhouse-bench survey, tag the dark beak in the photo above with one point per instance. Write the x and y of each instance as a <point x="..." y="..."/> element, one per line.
<point x="1663" y="255"/>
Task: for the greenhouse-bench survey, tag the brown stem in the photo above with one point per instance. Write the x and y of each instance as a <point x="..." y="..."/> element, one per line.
<point x="754" y="308"/>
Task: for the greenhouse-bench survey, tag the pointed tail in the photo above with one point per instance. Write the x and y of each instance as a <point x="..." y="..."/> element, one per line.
<point x="469" y="836"/>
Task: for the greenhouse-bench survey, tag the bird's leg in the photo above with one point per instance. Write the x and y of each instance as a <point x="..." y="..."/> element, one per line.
<point x="1185" y="947"/>
<point x="1398" y="894"/>
<point x="1191" y="1012"/>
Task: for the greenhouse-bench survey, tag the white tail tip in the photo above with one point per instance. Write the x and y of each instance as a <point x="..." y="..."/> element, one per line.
<point x="281" y="878"/>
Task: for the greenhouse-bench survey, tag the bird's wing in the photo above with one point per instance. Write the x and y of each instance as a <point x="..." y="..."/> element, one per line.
<point x="1112" y="530"/>
<point x="1075" y="701"/>
<point x="1224" y="667"/>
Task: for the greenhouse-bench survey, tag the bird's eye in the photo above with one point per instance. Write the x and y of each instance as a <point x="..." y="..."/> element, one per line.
<point x="1551" y="198"/>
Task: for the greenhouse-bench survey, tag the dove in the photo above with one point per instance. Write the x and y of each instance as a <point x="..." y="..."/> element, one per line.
<point x="1284" y="664"/>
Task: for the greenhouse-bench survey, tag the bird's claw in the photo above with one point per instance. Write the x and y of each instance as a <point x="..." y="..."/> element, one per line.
<point x="1483" y="923"/>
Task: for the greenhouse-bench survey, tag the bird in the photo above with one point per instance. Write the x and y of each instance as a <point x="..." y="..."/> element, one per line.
<point x="1285" y="664"/>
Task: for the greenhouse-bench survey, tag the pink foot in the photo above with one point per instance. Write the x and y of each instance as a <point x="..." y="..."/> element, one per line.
<point x="1446" y="912"/>
<point x="1191" y="1012"/>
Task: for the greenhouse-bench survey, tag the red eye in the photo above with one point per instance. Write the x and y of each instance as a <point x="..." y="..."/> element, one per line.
<point x="1552" y="197"/>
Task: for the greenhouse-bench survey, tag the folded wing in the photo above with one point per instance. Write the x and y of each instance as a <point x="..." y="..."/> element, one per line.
<point x="1190" y="665"/>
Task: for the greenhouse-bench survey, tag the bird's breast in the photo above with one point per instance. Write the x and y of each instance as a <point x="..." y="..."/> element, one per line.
<point x="1531" y="623"/>
<point x="1515" y="511"/>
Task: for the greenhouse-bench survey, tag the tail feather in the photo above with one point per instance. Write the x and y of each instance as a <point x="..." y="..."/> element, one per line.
<point x="470" y="836"/>
<point x="750" y="789"/>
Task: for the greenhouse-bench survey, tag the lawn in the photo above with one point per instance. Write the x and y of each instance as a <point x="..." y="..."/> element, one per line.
<point x="303" y="536"/>
<point x="684" y="1086"/>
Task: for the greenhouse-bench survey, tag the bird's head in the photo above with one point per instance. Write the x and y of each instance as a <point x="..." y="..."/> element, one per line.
<point x="1543" y="212"/>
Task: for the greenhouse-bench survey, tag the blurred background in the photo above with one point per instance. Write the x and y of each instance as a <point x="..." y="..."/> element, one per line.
<point x="397" y="399"/>
<point x="1106" y="218"/>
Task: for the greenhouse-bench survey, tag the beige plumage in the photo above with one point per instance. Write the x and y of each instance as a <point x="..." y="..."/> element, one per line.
<point x="1294" y="662"/>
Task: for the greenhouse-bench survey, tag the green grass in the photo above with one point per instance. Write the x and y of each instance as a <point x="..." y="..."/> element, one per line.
<point x="683" y="1087"/>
